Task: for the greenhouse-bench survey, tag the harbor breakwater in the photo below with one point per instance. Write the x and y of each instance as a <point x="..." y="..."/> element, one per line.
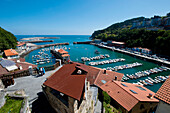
<point x="86" y="42"/>
<point x="38" y="41"/>
<point x="158" y="61"/>
<point x="42" y="46"/>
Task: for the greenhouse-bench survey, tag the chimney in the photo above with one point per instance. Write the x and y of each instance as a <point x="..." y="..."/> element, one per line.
<point x="20" y="67"/>
<point x="115" y="77"/>
<point x="105" y="71"/>
<point x="18" y="60"/>
<point x="79" y="72"/>
<point x="150" y="96"/>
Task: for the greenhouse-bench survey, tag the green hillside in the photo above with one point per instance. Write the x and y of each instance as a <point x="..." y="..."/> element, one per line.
<point x="7" y="40"/>
<point x="117" y="26"/>
<point x="158" y="41"/>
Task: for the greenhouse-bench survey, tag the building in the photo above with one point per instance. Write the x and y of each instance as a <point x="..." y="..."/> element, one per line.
<point x="145" y="23"/>
<point x="69" y="90"/>
<point x="116" y="44"/>
<point x="163" y="94"/>
<point x="136" y="24"/>
<point x="11" y="54"/>
<point x="146" y="51"/>
<point x="142" y="50"/>
<point x="138" y="49"/>
<point x="21" y="46"/>
<point x="61" y="54"/>
<point x="156" y="21"/>
<point x="130" y="98"/>
<point x="167" y="23"/>
<point x="13" y="68"/>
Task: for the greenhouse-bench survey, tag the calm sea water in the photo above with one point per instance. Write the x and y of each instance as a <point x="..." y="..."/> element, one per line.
<point x="85" y="50"/>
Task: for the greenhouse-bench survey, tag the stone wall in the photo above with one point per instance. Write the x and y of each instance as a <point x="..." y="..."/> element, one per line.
<point x="74" y="106"/>
<point x="141" y="107"/>
<point x="57" y="104"/>
<point x="144" y="107"/>
<point x="1" y="85"/>
<point x="163" y="107"/>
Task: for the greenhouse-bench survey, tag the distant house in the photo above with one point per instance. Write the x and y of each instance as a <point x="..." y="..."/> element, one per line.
<point x="138" y="49"/>
<point x="11" y="54"/>
<point x="61" y="54"/>
<point x="21" y="46"/>
<point x="156" y="21"/>
<point x="142" y="50"/>
<point x="74" y="87"/>
<point x="136" y="24"/>
<point x="64" y="54"/>
<point x="130" y="98"/>
<point x="116" y="44"/>
<point x="163" y="94"/>
<point x="146" y="51"/>
<point x="167" y="23"/>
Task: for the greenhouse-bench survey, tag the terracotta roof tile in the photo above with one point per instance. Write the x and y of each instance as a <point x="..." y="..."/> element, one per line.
<point x="64" y="82"/>
<point x="64" y="55"/>
<point x="72" y="85"/>
<point x="10" y="52"/>
<point x="110" y="75"/>
<point x="20" y="44"/>
<point x="95" y="75"/>
<point x="62" y="51"/>
<point x="164" y="92"/>
<point x="124" y="96"/>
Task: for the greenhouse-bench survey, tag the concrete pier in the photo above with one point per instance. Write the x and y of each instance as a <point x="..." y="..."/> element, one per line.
<point x="159" y="61"/>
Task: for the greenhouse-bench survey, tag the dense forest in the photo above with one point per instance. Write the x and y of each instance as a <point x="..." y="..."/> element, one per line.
<point x="7" y="40"/>
<point x="157" y="41"/>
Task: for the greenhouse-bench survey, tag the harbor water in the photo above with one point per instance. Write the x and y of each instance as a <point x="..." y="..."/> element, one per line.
<point x="86" y="50"/>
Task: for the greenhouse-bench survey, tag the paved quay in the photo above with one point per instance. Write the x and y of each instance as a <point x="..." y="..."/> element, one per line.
<point x="31" y="85"/>
<point x="137" y="55"/>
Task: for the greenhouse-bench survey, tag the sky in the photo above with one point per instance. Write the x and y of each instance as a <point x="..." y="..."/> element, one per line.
<point x="73" y="17"/>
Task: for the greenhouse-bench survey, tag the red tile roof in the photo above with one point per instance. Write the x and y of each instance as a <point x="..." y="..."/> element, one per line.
<point x="124" y="96"/>
<point x="10" y="52"/>
<point x="62" y="51"/>
<point x="64" y="55"/>
<point x="21" y="43"/>
<point x="115" y="42"/>
<point x="164" y="92"/>
<point x="66" y="82"/>
<point x="110" y="75"/>
<point x="95" y="75"/>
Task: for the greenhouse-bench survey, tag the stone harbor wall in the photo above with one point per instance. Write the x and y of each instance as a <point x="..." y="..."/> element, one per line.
<point x="1" y="85"/>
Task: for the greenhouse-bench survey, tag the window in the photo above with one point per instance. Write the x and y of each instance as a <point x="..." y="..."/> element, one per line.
<point x="124" y="85"/>
<point x="141" y="88"/>
<point x="103" y="81"/>
<point x="142" y="106"/>
<point x="62" y="97"/>
<point x="133" y="91"/>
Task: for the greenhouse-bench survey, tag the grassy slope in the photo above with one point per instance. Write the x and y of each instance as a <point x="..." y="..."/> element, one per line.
<point x="12" y="105"/>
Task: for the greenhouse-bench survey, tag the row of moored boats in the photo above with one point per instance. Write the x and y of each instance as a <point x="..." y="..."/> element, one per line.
<point x="149" y="81"/>
<point x="126" y="66"/>
<point x="107" y="61"/>
<point x="41" y="57"/>
<point x="147" y="72"/>
<point x="94" y="58"/>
